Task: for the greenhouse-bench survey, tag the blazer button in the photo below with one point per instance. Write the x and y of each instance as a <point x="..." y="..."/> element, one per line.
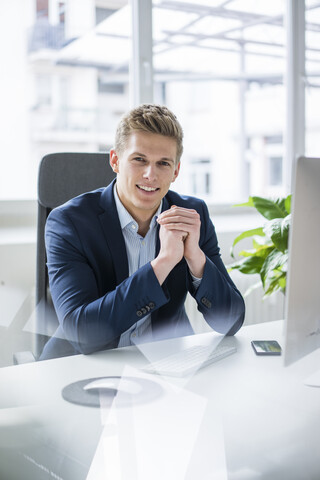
<point x="206" y="302"/>
<point x="139" y="313"/>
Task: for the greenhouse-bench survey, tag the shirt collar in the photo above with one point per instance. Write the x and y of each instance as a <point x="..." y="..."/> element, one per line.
<point x="124" y="216"/>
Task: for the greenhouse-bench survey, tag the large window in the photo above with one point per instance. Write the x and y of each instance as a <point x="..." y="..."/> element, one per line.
<point x="222" y="64"/>
<point x="219" y="64"/>
<point x="312" y="78"/>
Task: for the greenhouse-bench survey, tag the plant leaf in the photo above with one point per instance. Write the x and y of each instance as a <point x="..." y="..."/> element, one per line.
<point x="249" y="203"/>
<point x="261" y="251"/>
<point x="264" y="250"/>
<point x="248" y="233"/>
<point x="276" y="284"/>
<point x="275" y="260"/>
<point x="270" y="209"/>
<point x="258" y="242"/>
<point x="283" y="281"/>
<point x="287" y="203"/>
<point x="247" y="253"/>
<point x="248" y="265"/>
<point x="278" y="231"/>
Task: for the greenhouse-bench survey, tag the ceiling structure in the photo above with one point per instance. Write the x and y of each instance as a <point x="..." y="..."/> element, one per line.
<point x="205" y="39"/>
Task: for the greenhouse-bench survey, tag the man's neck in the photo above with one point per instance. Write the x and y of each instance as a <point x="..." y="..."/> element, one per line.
<point x="143" y="218"/>
<point x="143" y="222"/>
<point x="143" y="227"/>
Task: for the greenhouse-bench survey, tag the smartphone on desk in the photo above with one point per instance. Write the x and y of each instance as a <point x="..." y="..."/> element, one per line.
<point x="266" y="347"/>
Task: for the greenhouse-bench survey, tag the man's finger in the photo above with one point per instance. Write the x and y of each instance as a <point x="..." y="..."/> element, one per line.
<point x="179" y="215"/>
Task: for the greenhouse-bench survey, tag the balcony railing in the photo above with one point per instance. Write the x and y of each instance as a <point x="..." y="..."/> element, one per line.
<point x="43" y="35"/>
<point x="46" y="118"/>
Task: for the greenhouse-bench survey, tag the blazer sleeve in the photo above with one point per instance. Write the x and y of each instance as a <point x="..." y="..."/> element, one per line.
<point x="217" y="297"/>
<point x="91" y="321"/>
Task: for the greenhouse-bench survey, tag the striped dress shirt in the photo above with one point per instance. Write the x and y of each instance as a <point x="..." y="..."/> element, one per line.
<point x="140" y="250"/>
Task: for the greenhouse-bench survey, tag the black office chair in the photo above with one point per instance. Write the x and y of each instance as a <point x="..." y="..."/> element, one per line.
<point x="61" y="177"/>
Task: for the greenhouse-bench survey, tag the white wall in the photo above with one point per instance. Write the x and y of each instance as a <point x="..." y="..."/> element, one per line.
<point x="17" y="276"/>
<point x="15" y="17"/>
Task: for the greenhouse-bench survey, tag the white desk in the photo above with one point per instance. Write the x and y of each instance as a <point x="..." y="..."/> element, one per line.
<point x="243" y="418"/>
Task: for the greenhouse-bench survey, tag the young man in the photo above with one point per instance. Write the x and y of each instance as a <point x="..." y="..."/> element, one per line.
<point x="122" y="259"/>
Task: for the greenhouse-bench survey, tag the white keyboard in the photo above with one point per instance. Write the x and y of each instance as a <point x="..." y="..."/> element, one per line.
<point x="190" y="360"/>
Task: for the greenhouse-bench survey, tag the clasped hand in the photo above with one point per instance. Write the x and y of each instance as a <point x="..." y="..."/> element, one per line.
<point x="179" y="237"/>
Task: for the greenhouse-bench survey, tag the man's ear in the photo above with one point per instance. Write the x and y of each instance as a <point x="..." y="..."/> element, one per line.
<point x="114" y="161"/>
<point x="176" y="172"/>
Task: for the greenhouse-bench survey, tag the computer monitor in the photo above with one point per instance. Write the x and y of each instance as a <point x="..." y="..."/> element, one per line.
<point x="302" y="309"/>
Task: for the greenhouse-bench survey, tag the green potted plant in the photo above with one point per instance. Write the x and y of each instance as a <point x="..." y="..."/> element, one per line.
<point x="269" y="254"/>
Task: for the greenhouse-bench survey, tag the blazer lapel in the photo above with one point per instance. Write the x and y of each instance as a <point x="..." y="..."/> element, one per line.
<point x="113" y="234"/>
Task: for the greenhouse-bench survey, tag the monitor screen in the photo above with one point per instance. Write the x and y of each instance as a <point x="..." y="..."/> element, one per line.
<point x="302" y="315"/>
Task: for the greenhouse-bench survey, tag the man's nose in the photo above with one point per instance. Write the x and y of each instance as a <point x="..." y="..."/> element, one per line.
<point x="150" y="172"/>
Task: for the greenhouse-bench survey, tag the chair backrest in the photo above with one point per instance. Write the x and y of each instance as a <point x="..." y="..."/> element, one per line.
<point x="61" y="177"/>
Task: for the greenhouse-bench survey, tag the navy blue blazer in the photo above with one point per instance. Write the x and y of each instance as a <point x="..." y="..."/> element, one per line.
<point x="96" y="300"/>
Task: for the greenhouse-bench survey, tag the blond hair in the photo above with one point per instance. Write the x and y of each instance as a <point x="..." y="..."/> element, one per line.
<point x="149" y="118"/>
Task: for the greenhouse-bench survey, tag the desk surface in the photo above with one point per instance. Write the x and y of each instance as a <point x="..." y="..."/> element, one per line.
<point x="245" y="417"/>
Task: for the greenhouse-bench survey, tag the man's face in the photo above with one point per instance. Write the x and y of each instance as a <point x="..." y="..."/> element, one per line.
<point x="145" y="170"/>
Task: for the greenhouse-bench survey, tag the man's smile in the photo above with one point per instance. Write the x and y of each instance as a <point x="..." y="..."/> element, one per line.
<point x="147" y="189"/>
